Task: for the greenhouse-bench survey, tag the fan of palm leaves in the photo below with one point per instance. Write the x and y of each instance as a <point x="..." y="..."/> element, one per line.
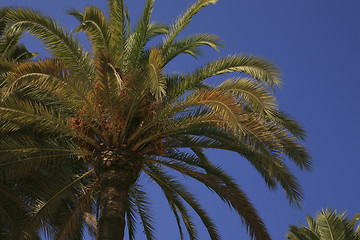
<point x="328" y="225"/>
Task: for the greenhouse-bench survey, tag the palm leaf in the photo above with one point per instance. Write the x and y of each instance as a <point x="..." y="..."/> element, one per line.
<point x="169" y="184"/>
<point x="156" y="80"/>
<point x="230" y="193"/>
<point x="30" y="112"/>
<point x="50" y="76"/>
<point x="190" y="45"/>
<point x="259" y="68"/>
<point x="143" y="206"/>
<point x="329" y="224"/>
<point x="183" y="21"/>
<point x="81" y="206"/>
<point x="46" y="207"/>
<point x="130" y="216"/>
<point x="136" y="42"/>
<point x="119" y="24"/>
<point x="59" y="42"/>
<point x="96" y="26"/>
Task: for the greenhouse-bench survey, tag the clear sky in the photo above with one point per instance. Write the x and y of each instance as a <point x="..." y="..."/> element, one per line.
<point x="316" y="44"/>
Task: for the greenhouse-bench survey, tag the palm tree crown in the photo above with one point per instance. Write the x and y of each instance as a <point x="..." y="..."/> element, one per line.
<point x="84" y="126"/>
<point x="328" y="225"/>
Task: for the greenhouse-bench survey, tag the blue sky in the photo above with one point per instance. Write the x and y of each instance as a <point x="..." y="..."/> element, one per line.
<point x="316" y="44"/>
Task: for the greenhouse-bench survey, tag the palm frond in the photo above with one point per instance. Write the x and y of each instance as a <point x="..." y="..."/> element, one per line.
<point x="130" y="215"/>
<point x="190" y="45"/>
<point x="10" y="214"/>
<point x="289" y="123"/>
<point x="96" y="26"/>
<point x="261" y="69"/>
<point x="76" y="13"/>
<point x="213" y="108"/>
<point x="156" y="80"/>
<point x="20" y="54"/>
<point x="119" y="25"/>
<point x="81" y="206"/>
<point x="3" y="12"/>
<point x="30" y="112"/>
<point x="178" y="207"/>
<point x="269" y="165"/>
<point x="59" y="42"/>
<point x="297" y="233"/>
<point x="230" y="193"/>
<point x="329" y="224"/>
<point x="50" y="76"/>
<point x="251" y="95"/>
<point x="169" y="184"/>
<point x="143" y="206"/>
<point x="6" y="65"/>
<point x="136" y="42"/>
<point x="183" y="21"/>
<point x="156" y="29"/>
<point x="21" y="155"/>
<point x="8" y="42"/>
<point x="45" y="207"/>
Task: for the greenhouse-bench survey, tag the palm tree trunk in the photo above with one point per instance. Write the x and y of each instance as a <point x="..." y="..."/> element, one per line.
<point x="117" y="169"/>
<point x="113" y="204"/>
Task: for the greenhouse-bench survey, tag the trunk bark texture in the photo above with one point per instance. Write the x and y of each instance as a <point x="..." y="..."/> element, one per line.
<point x="117" y="169"/>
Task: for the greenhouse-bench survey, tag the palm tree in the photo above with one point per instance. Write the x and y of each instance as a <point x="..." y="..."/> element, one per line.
<point x="328" y="225"/>
<point x="85" y="127"/>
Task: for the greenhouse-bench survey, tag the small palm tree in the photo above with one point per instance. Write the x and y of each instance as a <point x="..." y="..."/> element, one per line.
<point x="83" y="127"/>
<point x="328" y="225"/>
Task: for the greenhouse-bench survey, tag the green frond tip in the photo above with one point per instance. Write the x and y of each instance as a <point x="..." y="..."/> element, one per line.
<point x="183" y="21"/>
<point x="142" y="203"/>
<point x="76" y="13"/>
<point x="261" y="69"/>
<point x="190" y="45"/>
<point x="96" y="26"/>
<point x="251" y="94"/>
<point x="137" y="40"/>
